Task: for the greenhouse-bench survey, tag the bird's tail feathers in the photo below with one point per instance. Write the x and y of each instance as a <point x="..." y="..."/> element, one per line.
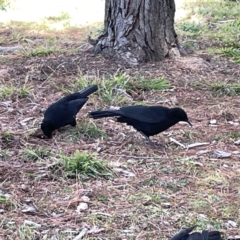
<point x="183" y="234"/>
<point x="88" y="90"/>
<point x="205" y="235"/>
<point x="102" y="114"/>
<point x="214" y="235"/>
<point x="188" y="230"/>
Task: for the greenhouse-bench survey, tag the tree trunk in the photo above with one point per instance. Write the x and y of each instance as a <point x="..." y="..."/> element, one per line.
<point x="138" y="31"/>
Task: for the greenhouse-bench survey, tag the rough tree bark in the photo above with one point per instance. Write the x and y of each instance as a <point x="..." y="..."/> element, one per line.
<point x="138" y="31"/>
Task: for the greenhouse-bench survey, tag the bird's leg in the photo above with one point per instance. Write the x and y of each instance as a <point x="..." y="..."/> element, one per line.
<point x="148" y="139"/>
<point x="73" y="123"/>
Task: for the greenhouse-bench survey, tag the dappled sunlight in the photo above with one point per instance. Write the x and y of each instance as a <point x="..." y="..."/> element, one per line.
<point x="61" y="14"/>
<point x="58" y="14"/>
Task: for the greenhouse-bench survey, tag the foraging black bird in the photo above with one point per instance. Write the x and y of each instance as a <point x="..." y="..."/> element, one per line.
<point x="148" y="120"/>
<point x="205" y="235"/>
<point x="64" y="111"/>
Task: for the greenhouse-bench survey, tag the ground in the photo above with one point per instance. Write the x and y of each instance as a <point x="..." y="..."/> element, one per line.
<point x="149" y="193"/>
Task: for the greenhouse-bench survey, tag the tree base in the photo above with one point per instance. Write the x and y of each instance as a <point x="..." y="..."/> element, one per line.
<point x="138" y="31"/>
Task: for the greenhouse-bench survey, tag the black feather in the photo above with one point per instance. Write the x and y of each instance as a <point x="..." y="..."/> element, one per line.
<point x="64" y="111"/>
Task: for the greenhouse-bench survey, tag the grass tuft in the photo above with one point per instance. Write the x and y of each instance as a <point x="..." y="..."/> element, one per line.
<point x="149" y="84"/>
<point x="8" y="92"/>
<point x="224" y="89"/>
<point x="6" y="202"/>
<point x="85" y="165"/>
<point x="35" y="154"/>
<point x="87" y="129"/>
<point x="7" y="137"/>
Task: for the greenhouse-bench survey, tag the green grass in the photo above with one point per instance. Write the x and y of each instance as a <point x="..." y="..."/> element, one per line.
<point x="225" y="89"/>
<point x="5" y="154"/>
<point x="85" y="165"/>
<point x="218" y="10"/>
<point x="231" y="52"/>
<point x="234" y="135"/>
<point x="116" y="89"/>
<point x="111" y="89"/>
<point x="6" y="202"/>
<point x="8" y="92"/>
<point x="24" y="91"/>
<point x="218" y="89"/>
<point x="41" y="51"/>
<point x="7" y="137"/>
<point x="35" y="154"/>
<point x="191" y="29"/>
<point x="27" y="232"/>
<point x="62" y="17"/>
<point x="46" y="48"/>
<point x="212" y="24"/>
<point x="4" y="4"/>
<point x="86" y="128"/>
<point x="149" y="84"/>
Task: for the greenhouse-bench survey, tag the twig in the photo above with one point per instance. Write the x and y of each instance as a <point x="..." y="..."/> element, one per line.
<point x="130" y="156"/>
<point x="81" y="234"/>
<point x="175" y="141"/>
<point x="197" y="144"/>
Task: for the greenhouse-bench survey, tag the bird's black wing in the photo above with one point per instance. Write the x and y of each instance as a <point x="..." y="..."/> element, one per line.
<point x="195" y="236"/>
<point x="68" y="98"/>
<point x="88" y="90"/>
<point x="205" y="234"/>
<point x="183" y="234"/>
<point x="81" y="94"/>
<point x="75" y="105"/>
<point x="152" y="114"/>
<point x="214" y="235"/>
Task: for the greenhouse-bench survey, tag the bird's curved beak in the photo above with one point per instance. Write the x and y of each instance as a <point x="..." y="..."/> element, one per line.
<point x="189" y="123"/>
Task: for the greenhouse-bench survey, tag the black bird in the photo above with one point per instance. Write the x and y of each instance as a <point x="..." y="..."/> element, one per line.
<point x="64" y="111"/>
<point x="147" y="120"/>
<point x="205" y="235"/>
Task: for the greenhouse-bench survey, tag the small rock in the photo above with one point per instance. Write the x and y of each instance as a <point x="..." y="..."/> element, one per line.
<point x="231" y="223"/>
<point x="95" y="229"/>
<point x="125" y="172"/>
<point x="10" y="49"/>
<point x="164" y="196"/>
<point x="201" y="152"/>
<point x="203" y="216"/>
<point x="237" y="142"/>
<point x="85" y="198"/>
<point x="82" y="206"/>
<point x="233" y="123"/>
<point x="11" y="222"/>
<point x="31" y="223"/>
<point x="81" y="234"/>
<point x="29" y="209"/>
<point x="23" y="122"/>
<point x="221" y="154"/>
<point x="3" y="73"/>
<point x="235" y="152"/>
<point x="213" y="121"/>
<point x="198" y="164"/>
<point x="168" y="205"/>
<point x="131" y="161"/>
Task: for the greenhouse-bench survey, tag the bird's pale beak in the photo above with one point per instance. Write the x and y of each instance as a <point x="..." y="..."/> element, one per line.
<point x="189" y="123"/>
